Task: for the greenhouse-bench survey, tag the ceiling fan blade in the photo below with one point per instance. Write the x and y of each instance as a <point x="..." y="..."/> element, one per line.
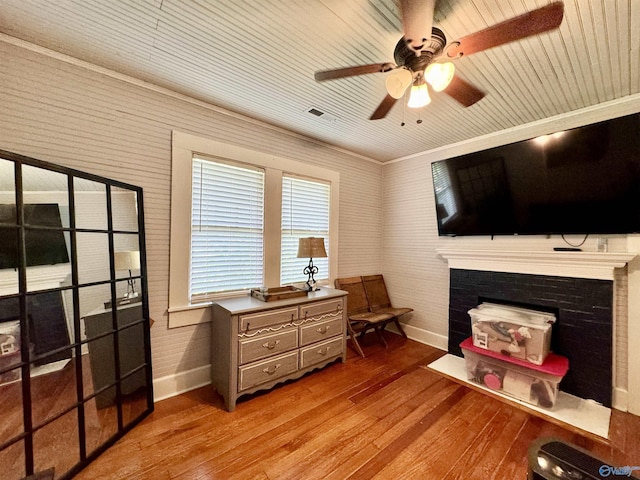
<point x="352" y="71"/>
<point x="383" y="108"/>
<point x="532" y="23"/>
<point x="463" y="92"/>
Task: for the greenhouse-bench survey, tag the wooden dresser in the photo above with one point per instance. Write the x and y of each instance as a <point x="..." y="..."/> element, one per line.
<point x="256" y="345"/>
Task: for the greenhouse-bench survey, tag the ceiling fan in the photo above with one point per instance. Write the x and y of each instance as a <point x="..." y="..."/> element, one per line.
<point x="418" y="53"/>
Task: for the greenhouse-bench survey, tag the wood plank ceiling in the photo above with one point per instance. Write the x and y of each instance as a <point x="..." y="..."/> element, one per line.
<point x="258" y="58"/>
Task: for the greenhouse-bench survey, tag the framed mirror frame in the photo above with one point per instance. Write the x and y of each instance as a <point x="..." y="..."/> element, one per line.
<point x="101" y="336"/>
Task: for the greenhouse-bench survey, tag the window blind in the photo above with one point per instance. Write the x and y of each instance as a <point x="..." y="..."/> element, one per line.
<point x="227" y="228"/>
<point x="305" y="213"/>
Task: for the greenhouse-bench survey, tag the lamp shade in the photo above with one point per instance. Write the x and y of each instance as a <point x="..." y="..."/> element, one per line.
<point x="311" y="247"/>
<point x="127" y="260"/>
<point x="398" y="81"/>
<point x="439" y="75"/>
<point x="419" y="95"/>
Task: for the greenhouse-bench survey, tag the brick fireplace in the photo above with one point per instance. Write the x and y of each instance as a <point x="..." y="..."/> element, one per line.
<point x="578" y="287"/>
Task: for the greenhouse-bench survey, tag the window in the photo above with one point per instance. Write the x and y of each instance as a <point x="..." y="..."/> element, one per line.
<point x="227" y="228"/>
<point x="305" y="213"/>
<point x="236" y="217"/>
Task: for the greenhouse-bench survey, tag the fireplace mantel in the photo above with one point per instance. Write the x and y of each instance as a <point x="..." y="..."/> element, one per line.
<point x="595" y="265"/>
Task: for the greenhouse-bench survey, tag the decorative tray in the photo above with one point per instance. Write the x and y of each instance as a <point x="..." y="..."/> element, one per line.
<point x="277" y="293"/>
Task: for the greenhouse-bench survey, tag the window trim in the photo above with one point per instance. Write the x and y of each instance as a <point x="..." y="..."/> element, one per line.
<point x="184" y="146"/>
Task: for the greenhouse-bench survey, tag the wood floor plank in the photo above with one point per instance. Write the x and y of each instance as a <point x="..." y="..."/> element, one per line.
<point x="483" y="455"/>
<point x="382" y="416"/>
<point x="438" y="392"/>
<point x="288" y="436"/>
<point x="433" y="452"/>
<point x="376" y="413"/>
<point x="381" y="461"/>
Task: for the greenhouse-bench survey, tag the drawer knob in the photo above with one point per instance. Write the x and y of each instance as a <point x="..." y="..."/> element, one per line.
<point x="323" y="330"/>
<point x="271" y="345"/>
<point x="323" y="351"/>
<point x="271" y="370"/>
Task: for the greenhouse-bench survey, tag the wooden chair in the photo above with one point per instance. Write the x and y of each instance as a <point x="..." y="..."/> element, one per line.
<point x="359" y="316"/>
<point x="379" y="302"/>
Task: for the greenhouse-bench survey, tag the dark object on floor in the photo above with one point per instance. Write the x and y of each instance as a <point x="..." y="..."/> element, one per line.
<point x="551" y="459"/>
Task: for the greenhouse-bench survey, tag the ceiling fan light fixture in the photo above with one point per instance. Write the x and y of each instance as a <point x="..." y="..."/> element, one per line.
<point x="439" y="75"/>
<point x="397" y="82"/>
<point x="419" y="96"/>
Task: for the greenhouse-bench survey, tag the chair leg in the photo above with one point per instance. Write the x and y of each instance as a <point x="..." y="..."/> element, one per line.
<point x="397" y="322"/>
<point x="356" y="345"/>
<point x="379" y="332"/>
<point x="353" y="335"/>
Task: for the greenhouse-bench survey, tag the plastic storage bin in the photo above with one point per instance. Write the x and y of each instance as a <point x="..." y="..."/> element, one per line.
<point x="512" y="331"/>
<point x="535" y="384"/>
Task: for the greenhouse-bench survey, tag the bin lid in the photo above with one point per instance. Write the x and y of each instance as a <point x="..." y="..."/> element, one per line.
<point x="553" y="364"/>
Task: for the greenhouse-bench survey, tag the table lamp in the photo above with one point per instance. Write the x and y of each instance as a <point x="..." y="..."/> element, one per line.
<point x="309" y="248"/>
<point x="128" y="261"/>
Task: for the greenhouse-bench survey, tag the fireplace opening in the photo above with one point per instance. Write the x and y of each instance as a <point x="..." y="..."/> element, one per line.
<point x="582" y="332"/>
<point x="529" y="306"/>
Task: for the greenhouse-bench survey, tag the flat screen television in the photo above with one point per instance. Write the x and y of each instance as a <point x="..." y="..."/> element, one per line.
<point x="579" y="181"/>
<point x="43" y="246"/>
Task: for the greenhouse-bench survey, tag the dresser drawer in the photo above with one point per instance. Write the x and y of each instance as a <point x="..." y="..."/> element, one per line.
<point x="264" y="319"/>
<point x="320" y="351"/>
<point x="320" y="308"/>
<point x="317" y="331"/>
<point x="267" y="370"/>
<point x="262" y="346"/>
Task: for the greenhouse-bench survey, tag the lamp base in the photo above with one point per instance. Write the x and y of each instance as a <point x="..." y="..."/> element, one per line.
<point x="310" y="270"/>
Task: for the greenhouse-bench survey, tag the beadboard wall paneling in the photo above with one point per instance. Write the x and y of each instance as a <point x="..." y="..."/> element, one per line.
<point x="360" y="215"/>
<point x="414" y="274"/>
<point x="65" y="114"/>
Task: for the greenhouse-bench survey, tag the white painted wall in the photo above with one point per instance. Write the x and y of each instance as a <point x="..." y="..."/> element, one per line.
<point x="57" y="111"/>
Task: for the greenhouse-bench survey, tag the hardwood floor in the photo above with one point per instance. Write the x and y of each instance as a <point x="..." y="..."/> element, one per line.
<point x="385" y="416"/>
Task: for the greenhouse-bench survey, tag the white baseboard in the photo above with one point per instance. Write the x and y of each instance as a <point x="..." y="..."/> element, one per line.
<point x="620" y="399"/>
<point x="172" y="385"/>
<point x="424" y="336"/>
